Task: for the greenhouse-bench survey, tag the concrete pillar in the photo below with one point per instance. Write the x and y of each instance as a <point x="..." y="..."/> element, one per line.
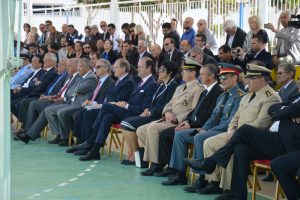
<point x="263" y="11"/>
<point x="114" y="13"/>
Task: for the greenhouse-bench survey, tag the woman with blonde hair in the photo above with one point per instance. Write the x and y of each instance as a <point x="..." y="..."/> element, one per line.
<point x="255" y="25"/>
<point x="34" y="36"/>
<point x="139" y="33"/>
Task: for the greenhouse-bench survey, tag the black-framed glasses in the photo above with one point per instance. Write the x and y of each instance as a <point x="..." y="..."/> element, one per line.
<point x="99" y="66"/>
<point x="166" y="44"/>
<point x="87" y="47"/>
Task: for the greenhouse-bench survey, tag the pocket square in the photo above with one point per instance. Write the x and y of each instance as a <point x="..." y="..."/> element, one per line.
<point x="142" y="91"/>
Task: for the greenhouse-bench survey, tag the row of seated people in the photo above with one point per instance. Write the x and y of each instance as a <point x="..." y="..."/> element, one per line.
<point x="152" y="114"/>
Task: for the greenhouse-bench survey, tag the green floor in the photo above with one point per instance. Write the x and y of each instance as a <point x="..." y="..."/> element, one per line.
<point x="38" y="169"/>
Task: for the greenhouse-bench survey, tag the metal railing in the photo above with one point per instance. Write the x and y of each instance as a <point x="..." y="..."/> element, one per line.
<point x="152" y="16"/>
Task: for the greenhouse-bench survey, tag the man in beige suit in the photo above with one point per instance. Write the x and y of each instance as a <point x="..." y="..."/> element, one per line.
<point x="253" y="110"/>
<point x="183" y="102"/>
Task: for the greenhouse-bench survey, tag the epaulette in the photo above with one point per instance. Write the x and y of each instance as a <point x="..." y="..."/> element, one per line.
<point x="268" y="93"/>
<point x="240" y="92"/>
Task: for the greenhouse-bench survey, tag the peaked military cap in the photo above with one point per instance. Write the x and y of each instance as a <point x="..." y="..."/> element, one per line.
<point x="190" y="64"/>
<point x="229" y="68"/>
<point x="256" y="70"/>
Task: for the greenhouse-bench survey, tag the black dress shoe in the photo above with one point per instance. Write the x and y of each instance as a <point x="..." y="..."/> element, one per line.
<point x="23" y="137"/>
<point x="199" y="184"/>
<point x="90" y="156"/>
<point x="71" y="150"/>
<point x="208" y="165"/>
<point x="80" y="152"/>
<point x="63" y="143"/>
<point x="175" y="180"/>
<point x="154" y="168"/>
<point x="167" y="172"/>
<point x="83" y="146"/>
<point x="127" y="162"/>
<point x="55" y="140"/>
<point x="211" y="188"/>
<point x="225" y="196"/>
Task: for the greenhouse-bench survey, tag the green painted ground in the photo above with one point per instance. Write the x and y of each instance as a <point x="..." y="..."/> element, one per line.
<point x="38" y="169"/>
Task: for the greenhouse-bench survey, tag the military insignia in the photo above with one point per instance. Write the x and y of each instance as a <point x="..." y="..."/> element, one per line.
<point x="240" y="93"/>
<point x="268" y="93"/>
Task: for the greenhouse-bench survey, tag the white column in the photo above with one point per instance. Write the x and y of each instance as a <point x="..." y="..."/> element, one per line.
<point x="6" y="41"/>
<point x="29" y="11"/>
<point x="114" y="13"/>
<point x="263" y="10"/>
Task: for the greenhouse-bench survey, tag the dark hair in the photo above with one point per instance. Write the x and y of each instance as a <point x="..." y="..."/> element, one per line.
<point x="171" y="39"/>
<point x="111" y="42"/>
<point x="79" y="43"/>
<point x="27" y="25"/>
<point x="149" y="63"/>
<point x="54" y="46"/>
<point x="171" y="68"/>
<point x="87" y="27"/>
<point x="213" y="69"/>
<point x="95" y="53"/>
<point x="111" y="26"/>
<point x="167" y="25"/>
<point x="128" y="42"/>
<point x="125" y="25"/>
<point x="100" y="39"/>
<point x="203" y="37"/>
<point x="131" y="25"/>
<point x="48" y="21"/>
<point x="40" y="59"/>
<point x="44" y="48"/>
<point x="258" y="37"/>
<point x="175" y="20"/>
<point x="225" y="48"/>
<point x="70" y="26"/>
<point x="93" y="45"/>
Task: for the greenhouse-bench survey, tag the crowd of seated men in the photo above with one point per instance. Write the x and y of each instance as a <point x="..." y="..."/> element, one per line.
<point x="189" y="93"/>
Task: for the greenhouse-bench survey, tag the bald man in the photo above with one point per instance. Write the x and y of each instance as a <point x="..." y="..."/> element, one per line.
<point x="189" y="33"/>
<point x="211" y="41"/>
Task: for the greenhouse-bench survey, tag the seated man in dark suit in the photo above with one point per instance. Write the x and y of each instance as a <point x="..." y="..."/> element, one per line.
<point x="171" y="53"/>
<point x="241" y="58"/>
<point x="161" y="97"/>
<point x="35" y="84"/>
<point x="85" y="118"/>
<point x="52" y="89"/>
<point x="200" y="41"/>
<point x="250" y="143"/>
<point x="115" y="112"/>
<point x="36" y="119"/>
<point x="82" y="90"/>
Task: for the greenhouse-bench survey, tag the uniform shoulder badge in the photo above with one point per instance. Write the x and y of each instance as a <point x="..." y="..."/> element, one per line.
<point x="268" y="93"/>
<point x="240" y="93"/>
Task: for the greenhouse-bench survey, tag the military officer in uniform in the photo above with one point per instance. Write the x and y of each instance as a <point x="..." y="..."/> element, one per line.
<point x="226" y="106"/>
<point x="183" y="102"/>
<point x="253" y="110"/>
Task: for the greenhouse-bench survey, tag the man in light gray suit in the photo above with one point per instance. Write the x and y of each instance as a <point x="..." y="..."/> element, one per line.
<point x="36" y="119"/>
<point x="285" y="77"/>
<point x="81" y="91"/>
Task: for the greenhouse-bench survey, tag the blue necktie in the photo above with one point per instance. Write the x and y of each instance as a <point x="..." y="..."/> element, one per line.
<point x="54" y="84"/>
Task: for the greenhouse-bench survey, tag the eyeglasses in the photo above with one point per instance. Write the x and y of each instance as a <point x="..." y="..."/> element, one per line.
<point x="99" y="66"/>
<point x="162" y="69"/>
<point x="86" y="47"/>
<point x="102" y="25"/>
<point x="224" y="77"/>
<point x="200" y="24"/>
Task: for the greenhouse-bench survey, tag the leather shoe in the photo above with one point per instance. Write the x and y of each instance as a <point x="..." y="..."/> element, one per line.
<point x="55" y="140"/>
<point x="207" y="164"/>
<point x="23" y="137"/>
<point x="127" y="162"/>
<point x="63" y="143"/>
<point x="90" y="156"/>
<point x="80" y="152"/>
<point x="225" y="196"/>
<point x="199" y="184"/>
<point x="83" y="146"/>
<point x="175" y="180"/>
<point x="211" y="188"/>
<point x="154" y="168"/>
<point x="167" y="172"/>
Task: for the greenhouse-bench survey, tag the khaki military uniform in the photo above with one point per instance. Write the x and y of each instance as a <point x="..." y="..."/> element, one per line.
<point x="254" y="113"/>
<point x="182" y="103"/>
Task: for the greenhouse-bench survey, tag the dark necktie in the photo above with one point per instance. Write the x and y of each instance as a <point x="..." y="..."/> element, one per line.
<point x="196" y="110"/>
<point x="219" y="114"/>
<point x="252" y="97"/>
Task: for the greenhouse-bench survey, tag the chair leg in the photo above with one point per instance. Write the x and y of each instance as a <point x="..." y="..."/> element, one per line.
<point x="110" y="142"/>
<point x="122" y="148"/>
<point x="254" y="183"/>
<point x="277" y="191"/>
<point x="102" y="151"/>
<point x="70" y="138"/>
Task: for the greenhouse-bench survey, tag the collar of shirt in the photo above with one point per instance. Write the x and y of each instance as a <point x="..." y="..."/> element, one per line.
<point x="122" y="77"/>
<point x="102" y="79"/>
<point x="74" y="75"/>
<point x="142" y="54"/>
<point x="209" y="88"/>
<point x="233" y="90"/>
<point x="84" y="76"/>
<point x="36" y="71"/>
<point x="26" y="66"/>
<point x="145" y="79"/>
<point x="48" y="69"/>
<point x="258" y="52"/>
<point x="287" y="85"/>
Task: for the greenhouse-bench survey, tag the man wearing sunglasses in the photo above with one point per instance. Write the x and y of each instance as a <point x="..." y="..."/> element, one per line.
<point x="253" y="110"/>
